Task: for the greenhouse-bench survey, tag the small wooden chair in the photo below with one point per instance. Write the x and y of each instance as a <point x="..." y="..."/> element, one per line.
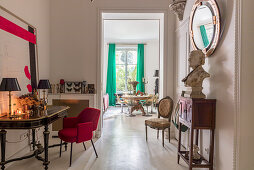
<point x="165" y="109"/>
<point x="149" y="102"/>
<point x="121" y="102"/>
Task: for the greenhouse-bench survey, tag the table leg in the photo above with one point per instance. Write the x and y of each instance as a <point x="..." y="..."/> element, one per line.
<point x="211" y="149"/>
<point x="130" y="112"/>
<point x="3" y="144"/>
<point x="33" y="138"/>
<point x="179" y="143"/>
<point x="191" y="150"/>
<point x="46" y="144"/>
<point x="143" y="111"/>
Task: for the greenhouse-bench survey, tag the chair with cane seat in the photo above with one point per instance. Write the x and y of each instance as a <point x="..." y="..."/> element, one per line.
<point x="165" y="109"/>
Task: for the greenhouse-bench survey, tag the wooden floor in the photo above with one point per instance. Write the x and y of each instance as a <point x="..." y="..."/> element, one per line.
<point x="121" y="147"/>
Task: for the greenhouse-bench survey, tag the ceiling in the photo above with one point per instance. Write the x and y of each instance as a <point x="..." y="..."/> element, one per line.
<point x="131" y="30"/>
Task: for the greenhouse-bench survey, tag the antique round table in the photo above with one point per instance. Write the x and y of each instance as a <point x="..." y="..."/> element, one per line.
<point x="135" y="104"/>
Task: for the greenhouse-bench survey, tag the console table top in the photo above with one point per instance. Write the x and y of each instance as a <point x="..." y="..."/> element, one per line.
<point x="29" y="122"/>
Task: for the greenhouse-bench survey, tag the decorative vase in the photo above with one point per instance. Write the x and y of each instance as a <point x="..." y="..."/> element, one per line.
<point x="134" y="85"/>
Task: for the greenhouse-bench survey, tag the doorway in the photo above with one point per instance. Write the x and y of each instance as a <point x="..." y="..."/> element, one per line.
<point x="126" y="31"/>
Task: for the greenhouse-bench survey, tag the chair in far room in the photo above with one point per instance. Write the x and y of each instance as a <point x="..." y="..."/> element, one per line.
<point x="121" y="102"/>
<point x="150" y="102"/>
<point x="79" y="129"/>
<point x="165" y="109"/>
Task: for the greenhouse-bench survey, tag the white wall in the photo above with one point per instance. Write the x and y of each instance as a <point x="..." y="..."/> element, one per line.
<point x="220" y="86"/>
<point x="245" y="119"/>
<point x="75" y="32"/>
<point x="35" y="12"/>
<point x="152" y="63"/>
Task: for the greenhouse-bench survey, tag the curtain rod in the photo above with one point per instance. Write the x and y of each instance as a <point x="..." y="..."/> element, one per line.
<point x="126" y="43"/>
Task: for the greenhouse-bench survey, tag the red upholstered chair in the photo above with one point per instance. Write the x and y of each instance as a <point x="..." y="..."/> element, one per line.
<point x="79" y="129"/>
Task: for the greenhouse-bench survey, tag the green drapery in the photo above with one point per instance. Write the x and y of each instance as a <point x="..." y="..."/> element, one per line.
<point x="140" y="68"/>
<point x="111" y="74"/>
<point x="204" y="35"/>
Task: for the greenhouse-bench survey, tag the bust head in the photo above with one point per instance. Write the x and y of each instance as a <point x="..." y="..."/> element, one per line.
<point x="196" y="58"/>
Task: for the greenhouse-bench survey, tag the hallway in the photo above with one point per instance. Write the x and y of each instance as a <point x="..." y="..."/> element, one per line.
<point x="121" y="147"/>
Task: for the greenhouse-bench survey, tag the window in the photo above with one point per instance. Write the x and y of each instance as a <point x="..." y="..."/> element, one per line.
<point x="126" y="67"/>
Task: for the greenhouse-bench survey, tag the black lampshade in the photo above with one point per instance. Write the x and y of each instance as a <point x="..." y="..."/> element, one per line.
<point x="156" y="73"/>
<point x="9" y="84"/>
<point x="44" y="84"/>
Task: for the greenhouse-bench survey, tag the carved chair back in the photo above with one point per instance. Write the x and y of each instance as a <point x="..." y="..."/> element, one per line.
<point x="165" y="108"/>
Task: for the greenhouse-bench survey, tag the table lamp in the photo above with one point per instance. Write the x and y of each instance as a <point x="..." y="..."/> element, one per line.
<point x="9" y="84"/>
<point x="44" y="84"/>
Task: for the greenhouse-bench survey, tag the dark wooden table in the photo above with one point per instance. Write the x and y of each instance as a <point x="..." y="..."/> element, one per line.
<point x="197" y="114"/>
<point x="25" y="122"/>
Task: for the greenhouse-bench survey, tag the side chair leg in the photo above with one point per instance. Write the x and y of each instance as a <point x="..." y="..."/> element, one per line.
<point x="169" y="134"/>
<point x="157" y="133"/>
<point x="94" y="149"/>
<point x="71" y="155"/>
<point x="163" y="137"/>
<point x="84" y="145"/>
<point x="61" y="142"/>
<point x="65" y="146"/>
<point x="146" y="133"/>
<point x="121" y="108"/>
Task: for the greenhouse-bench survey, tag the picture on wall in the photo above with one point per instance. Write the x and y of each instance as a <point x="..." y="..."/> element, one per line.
<point x="18" y="57"/>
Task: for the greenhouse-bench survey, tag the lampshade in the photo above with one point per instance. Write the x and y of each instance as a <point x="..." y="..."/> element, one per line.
<point x="44" y="84"/>
<point x="9" y="84"/>
<point x="156" y="73"/>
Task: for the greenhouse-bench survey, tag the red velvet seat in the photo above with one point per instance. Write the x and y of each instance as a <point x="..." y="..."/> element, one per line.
<point x="79" y="129"/>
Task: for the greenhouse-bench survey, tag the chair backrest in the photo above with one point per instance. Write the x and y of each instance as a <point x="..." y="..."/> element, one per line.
<point x="89" y="115"/>
<point x="165" y="108"/>
<point x="118" y="99"/>
<point x="150" y="100"/>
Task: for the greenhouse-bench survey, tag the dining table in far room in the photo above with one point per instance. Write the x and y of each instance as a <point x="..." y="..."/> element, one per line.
<point x="135" y="102"/>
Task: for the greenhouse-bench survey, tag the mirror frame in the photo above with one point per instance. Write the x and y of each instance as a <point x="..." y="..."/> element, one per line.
<point x="213" y="6"/>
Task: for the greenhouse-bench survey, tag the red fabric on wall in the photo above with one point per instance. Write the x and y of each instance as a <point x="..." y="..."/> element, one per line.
<point x="14" y="29"/>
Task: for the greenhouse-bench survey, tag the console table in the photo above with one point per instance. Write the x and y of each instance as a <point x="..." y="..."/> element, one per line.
<point x="197" y="114"/>
<point x="25" y="122"/>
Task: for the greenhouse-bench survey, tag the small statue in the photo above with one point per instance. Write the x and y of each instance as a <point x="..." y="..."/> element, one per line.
<point x="195" y="78"/>
<point x="196" y="156"/>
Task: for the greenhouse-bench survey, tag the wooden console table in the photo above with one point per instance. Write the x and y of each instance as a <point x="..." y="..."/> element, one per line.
<point x="26" y="122"/>
<point x="197" y="114"/>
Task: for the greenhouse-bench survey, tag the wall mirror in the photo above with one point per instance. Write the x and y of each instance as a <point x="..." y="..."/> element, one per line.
<point x="205" y="26"/>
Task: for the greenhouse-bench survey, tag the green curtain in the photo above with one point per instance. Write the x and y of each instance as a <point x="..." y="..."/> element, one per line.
<point x="140" y="68"/>
<point x="111" y="74"/>
<point x="204" y="35"/>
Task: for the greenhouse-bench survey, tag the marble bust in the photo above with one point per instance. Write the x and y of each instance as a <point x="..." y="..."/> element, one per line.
<point x="195" y="78"/>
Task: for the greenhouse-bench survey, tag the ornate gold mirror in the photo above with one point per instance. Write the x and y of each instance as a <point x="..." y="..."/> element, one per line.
<point x="205" y="25"/>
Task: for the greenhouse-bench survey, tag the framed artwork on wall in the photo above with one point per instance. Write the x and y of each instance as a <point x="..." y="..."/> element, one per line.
<point x="18" y="50"/>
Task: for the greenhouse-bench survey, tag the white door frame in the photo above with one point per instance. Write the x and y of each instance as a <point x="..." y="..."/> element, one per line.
<point x="165" y="68"/>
